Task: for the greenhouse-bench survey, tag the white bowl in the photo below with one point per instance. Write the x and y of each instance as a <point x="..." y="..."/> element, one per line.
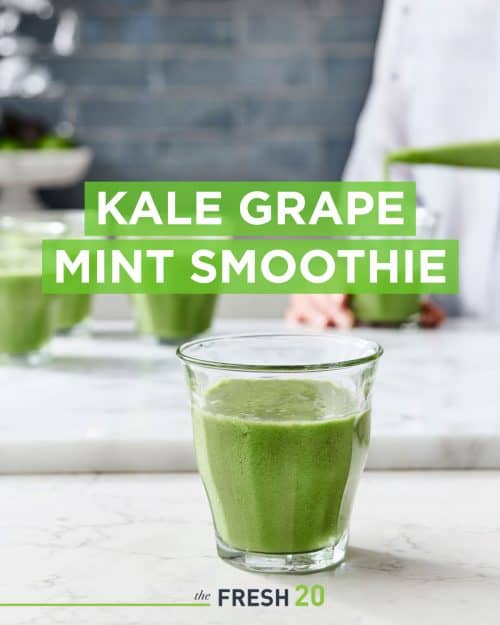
<point x="43" y="168"/>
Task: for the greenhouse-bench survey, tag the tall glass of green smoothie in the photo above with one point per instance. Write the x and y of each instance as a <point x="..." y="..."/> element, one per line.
<point x="281" y="429"/>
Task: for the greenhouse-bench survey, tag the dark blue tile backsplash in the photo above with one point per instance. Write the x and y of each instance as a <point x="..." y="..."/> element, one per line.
<point x="226" y="89"/>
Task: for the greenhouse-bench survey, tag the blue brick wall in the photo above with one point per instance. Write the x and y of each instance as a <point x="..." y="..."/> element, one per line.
<point x="227" y="89"/>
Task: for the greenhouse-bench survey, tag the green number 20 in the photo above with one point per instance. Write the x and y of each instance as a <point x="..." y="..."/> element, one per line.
<point x="316" y="593"/>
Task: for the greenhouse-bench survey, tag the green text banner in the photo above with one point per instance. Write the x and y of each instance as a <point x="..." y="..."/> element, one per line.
<point x="250" y="266"/>
<point x="256" y="209"/>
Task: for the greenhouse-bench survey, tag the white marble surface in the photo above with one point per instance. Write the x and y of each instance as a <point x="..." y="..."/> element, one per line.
<point x="425" y="548"/>
<point x="113" y="402"/>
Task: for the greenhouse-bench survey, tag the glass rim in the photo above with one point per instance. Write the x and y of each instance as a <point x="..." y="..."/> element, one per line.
<point x="30" y="226"/>
<point x="376" y="352"/>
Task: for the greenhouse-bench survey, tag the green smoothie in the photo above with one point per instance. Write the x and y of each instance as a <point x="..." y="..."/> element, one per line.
<point x="280" y="460"/>
<point x="173" y="317"/>
<point x="27" y="316"/>
<point x="475" y="154"/>
<point x="73" y="309"/>
<point x="394" y="309"/>
<point x="385" y="308"/>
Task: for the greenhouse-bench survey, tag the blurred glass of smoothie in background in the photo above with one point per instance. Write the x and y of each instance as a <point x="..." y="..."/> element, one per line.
<point x="399" y="309"/>
<point x="281" y="429"/>
<point x="386" y="309"/>
<point x="469" y="155"/>
<point x="28" y="317"/>
<point x="172" y="318"/>
<point x="29" y="232"/>
<point x="392" y="309"/>
<point x="75" y="309"/>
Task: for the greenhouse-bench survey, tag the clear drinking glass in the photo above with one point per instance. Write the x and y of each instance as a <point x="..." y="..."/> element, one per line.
<point x="28" y="233"/>
<point x="281" y="429"/>
<point x="171" y="318"/>
<point x="27" y="315"/>
<point x="74" y="309"/>
<point x="395" y="309"/>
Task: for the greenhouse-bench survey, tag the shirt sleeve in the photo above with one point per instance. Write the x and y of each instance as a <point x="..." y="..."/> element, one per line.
<point x="382" y="125"/>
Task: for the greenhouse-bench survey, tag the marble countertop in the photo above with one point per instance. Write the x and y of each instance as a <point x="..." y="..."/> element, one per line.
<point x="424" y="549"/>
<point x="114" y="402"/>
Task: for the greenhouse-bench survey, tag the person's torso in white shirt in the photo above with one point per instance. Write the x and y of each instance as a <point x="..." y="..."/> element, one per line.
<point x="436" y="81"/>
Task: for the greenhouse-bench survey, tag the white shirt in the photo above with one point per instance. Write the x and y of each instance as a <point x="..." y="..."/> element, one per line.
<point x="436" y="81"/>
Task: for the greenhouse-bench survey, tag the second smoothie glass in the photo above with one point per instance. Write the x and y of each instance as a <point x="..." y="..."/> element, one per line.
<point x="171" y="318"/>
<point x="281" y="428"/>
<point x="74" y="309"/>
<point x="27" y="315"/>
<point x="395" y="309"/>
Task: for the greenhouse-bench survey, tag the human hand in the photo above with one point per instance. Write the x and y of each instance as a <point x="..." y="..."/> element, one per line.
<point x="431" y="315"/>
<point x="324" y="311"/>
<point x="321" y="311"/>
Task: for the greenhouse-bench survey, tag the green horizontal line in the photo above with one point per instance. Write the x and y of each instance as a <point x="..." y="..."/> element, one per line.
<point x="105" y="605"/>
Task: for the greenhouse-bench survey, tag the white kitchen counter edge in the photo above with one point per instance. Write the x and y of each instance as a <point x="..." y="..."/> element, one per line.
<point x="102" y="456"/>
